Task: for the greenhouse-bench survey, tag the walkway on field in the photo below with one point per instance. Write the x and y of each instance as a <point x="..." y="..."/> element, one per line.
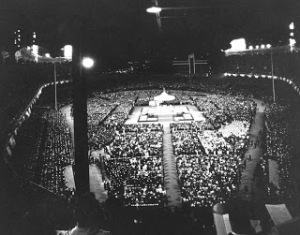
<point x="252" y="156"/>
<point x="170" y="170"/>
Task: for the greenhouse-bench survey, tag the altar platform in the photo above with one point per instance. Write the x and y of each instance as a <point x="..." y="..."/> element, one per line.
<point x="165" y="113"/>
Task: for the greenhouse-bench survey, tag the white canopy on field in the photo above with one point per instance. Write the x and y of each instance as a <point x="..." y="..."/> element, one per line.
<point x="164" y="97"/>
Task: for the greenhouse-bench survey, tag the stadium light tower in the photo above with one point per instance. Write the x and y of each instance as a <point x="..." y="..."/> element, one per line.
<point x="68" y="49"/>
<point x="238" y="46"/>
<point x="156" y="10"/>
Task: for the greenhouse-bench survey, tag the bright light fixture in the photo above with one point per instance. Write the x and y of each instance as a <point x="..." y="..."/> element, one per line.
<point x="154" y="9"/>
<point x="269" y="46"/>
<point x="262" y="46"/>
<point x="87" y="62"/>
<point x="47" y="55"/>
<point x="292" y="41"/>
<point x="250" y="47"/>
<point x="238" y="44"/>
<point x="292" y="26"/>
<point x="35" y="50"/>
<point x="68" y="50"/>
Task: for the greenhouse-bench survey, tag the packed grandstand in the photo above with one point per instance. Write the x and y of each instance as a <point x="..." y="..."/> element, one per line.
<point x="165" y="174"/>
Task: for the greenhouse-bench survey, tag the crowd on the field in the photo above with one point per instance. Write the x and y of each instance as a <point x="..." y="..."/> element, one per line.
<point x="133" y="165"/>
<point x="106" y="114"/>
<point x="207" y="175"/>
<point x="98" y="109"/>
<point x="209" y="155"/>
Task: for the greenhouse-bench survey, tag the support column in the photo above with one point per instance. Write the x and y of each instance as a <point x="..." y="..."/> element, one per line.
<point x="81" y="168"/>
<point x="55" y="87"/>
<point x="273" y="81"/>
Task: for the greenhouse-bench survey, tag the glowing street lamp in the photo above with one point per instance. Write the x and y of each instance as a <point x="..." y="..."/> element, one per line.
<point x="87" y="62"/>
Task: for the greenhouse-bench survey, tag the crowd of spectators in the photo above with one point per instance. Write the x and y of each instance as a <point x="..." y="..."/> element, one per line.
<point x="98" y="109"/>
<point x="279" y="150"/>
<point x="209" y="155"/>
<point x="106" y="114"/>
<point x="205" y="178"/>
<point x="133" y="165"/>
<point x="43" y="149"/>
<point x="55" y="154"/>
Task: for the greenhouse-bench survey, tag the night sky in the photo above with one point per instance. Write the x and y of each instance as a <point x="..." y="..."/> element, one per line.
<point x="117" y="31"/>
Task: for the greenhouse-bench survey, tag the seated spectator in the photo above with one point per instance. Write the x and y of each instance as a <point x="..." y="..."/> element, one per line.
<point x="86" y="217"/>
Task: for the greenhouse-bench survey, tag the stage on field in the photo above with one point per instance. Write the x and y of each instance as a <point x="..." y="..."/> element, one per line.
<point x="165" y="113"/>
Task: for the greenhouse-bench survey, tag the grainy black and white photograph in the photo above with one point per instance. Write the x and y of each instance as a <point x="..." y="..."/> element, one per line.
<point x="150" y="117"/>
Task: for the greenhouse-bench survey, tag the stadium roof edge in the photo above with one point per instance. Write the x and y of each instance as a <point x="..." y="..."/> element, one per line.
<point x="286" y="49"/>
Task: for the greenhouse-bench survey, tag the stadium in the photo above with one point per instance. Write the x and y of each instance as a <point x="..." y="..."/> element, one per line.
<point x="208" y="150"/>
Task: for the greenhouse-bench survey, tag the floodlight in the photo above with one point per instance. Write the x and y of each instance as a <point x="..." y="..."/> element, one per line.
<point x="87" y="62"/>
<point x="68" y="50"/>
<point x="154" y="9"/>
<point x="292" y="41"/>
<point x="35" y="49"/>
